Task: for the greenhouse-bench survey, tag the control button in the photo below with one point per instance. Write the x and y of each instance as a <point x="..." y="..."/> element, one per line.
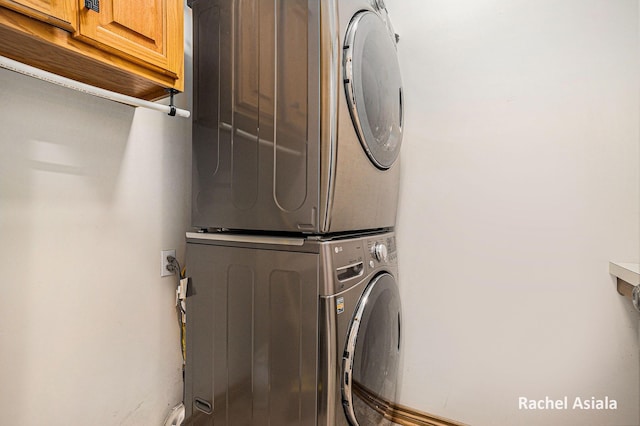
<point x="379" y="252"/>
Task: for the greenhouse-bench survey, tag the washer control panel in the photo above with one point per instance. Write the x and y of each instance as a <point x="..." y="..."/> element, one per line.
<point x="353" y="259"/>
<point x="382" y="250"/>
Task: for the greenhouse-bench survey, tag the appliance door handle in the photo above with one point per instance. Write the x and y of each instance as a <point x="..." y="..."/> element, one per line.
<point x="401" y="108"/>
<point x="203" y="405"/>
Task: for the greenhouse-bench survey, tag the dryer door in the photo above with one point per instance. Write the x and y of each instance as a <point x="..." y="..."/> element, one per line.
<point x="371" y="355"/>
<point x="373" y="87"/>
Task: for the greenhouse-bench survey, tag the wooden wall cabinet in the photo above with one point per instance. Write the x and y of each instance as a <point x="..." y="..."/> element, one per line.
<point x="135" y="47"/>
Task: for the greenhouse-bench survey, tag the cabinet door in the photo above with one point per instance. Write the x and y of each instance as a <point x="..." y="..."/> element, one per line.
<point x="61" y="13"/>
<point x="149" y="32"/>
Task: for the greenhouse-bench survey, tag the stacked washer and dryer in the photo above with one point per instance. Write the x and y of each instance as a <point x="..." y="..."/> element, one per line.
<point x="294" y="313"/>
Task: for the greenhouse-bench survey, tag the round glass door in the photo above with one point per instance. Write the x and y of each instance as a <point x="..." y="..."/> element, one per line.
<point x="373" y="87"/>
<point x="372" y="352"/>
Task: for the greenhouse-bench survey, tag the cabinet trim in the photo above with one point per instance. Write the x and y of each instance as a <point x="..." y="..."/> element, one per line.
<point x="69" y="11"/>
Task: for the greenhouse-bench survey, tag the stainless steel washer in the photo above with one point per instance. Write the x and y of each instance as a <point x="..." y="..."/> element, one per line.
<point x="291" y="331"/>
<point x="297" y="115"/>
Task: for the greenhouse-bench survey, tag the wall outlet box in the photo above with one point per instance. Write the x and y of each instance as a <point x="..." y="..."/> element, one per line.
<point x="164" y="262"/>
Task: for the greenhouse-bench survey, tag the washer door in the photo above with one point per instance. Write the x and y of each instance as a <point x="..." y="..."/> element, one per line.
<point x="373" y="87"/>
<point x="372" y="352"/>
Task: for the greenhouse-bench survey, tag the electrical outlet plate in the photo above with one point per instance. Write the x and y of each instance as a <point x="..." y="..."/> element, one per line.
<point x="164" y="272"/>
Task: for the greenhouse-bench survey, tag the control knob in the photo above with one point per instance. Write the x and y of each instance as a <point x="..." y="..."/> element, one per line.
<point x="379" y="252"/>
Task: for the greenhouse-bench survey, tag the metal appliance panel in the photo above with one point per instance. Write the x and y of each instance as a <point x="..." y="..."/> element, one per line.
<point x="268" y="319"/>
<point x="338" y="304"/>
<point x="255" y="336"/>
<point x="372" y="202"/>
<point x="256" y="115"/>
<point x="274" y="146"/>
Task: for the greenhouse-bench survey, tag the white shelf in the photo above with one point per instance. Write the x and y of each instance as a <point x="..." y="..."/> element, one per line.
<point x="628" y="272"/>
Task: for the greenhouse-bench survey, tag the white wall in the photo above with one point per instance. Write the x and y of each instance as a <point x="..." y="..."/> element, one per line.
<point x="90" y="192"/>
<point x="520" y="182"/>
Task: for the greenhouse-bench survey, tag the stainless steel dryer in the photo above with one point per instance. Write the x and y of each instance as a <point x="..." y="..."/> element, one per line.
<point x="297" y="115"/>
<point x="291" y="331"/>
